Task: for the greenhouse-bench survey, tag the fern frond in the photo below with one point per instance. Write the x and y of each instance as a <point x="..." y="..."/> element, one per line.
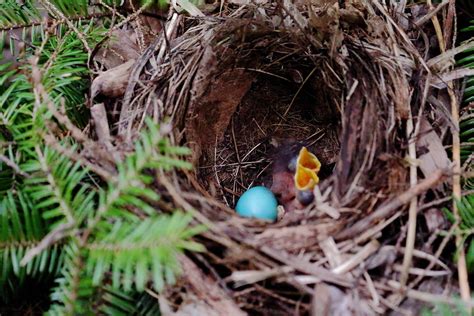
<point x="29" y="13"/>
<point x="21" y="229"/>
<point x="64" y="62"/>
<point x="468" y="62"/>
<point x="135" y="248"/>
<point x="112" y="235"/>
<point x="26" y="201"/>
<point x="14" y="14"/>
<point x="59" y="187"/>
<point x="467" y="135"/>
<point x="466" y="212"/>
<point x="73" y="294"/>
<point x="147" y="305"/>
<point x="136" y="254"/>
<point x="115" y="302"/>
<point x="466" y="225"/>
<point x="152" y="151"/>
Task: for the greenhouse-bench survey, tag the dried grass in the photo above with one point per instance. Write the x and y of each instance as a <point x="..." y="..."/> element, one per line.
<point x="375" y="70"/>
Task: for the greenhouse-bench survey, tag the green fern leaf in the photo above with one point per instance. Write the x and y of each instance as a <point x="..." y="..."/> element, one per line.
<point x="136" y="254"/>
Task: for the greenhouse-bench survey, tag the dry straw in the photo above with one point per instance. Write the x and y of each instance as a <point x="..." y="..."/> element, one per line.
<point x="375" y="66"/>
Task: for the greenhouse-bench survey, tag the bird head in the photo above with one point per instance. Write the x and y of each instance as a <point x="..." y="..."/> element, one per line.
<point x="295" y="174"/>
<point x="306" y="170"/>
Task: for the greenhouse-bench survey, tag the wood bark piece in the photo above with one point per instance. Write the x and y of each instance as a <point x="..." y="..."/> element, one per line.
<point x="113" y="82"/>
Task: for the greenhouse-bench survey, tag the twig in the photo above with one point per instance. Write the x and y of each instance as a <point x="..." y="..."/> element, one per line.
<point x="57" y="234"/>
<point x="217" y="176"/>
<point x="239" y="168"/>
<point x="447" y="55"/>
<point x="446" y="77"/>
<point x="76" y="133"/>
<point x="130" y="17"/>
<point x="246" y="277"/>
<point x="441" y="201"/>
<point x="183" y="203"/>
<point x="402" y="33"/>
<point x="52" y="9"/>
<point x="51" y="141"/>
<point x="423" y="272"/>
<point x="99" y="116"/>
<point x="461" y="262"/>
<point x="437" y="254"/>
<point x="14" y="166"/>
<point x="358" y="258"/>
<point x="132" y="82"/>
<point x="371" y="232"/>
<point x="299" y="90"/>
<point x="308" y="268"/>
<point x="125" y="122"/>
<point x="385" y="210"/>
<point x="207" y="289"/>
<point x="61" y="21"/>
<point x="418" y="23"/>
<point x="411" y="234"/>
<point x="430" y="298"/>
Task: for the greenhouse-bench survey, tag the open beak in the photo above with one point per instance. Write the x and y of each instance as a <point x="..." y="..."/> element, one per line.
<point x="307" y="168"/>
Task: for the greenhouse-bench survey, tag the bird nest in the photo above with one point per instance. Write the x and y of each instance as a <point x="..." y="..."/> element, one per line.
<point x="351" y="82"/>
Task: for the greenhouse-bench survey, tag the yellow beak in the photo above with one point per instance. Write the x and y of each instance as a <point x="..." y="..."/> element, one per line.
<point x="307" y="168"/>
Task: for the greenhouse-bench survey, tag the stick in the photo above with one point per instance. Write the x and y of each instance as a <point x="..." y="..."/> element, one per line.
<point x="461" y="264"/>
<point x="14" y="166"/>
<point x="207" y="289"/>
<point x="410" y="241"/>
<point x="358" y="258"/>
<point x="387" y="209"/>
<point x="50" y="239"/>
<point x="430" y="298"/>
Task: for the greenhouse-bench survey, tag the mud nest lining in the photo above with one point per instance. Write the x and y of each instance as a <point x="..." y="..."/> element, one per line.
<point x="269" y="115"/>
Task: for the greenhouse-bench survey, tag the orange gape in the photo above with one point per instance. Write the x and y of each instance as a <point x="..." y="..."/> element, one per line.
<point x="307" y="168"/>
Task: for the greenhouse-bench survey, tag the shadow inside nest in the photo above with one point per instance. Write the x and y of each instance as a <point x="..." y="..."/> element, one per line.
<point x="272" y="115"/>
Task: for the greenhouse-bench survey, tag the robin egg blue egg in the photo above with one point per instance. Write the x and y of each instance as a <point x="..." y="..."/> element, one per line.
<point x="258" y="202"/>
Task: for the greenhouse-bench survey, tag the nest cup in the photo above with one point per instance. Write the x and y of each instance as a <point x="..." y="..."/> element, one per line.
<point x="263" y="94"/>
<point x="273" y="113"/>
<point x="240" y="86"/>
<point x="236" y="88"/>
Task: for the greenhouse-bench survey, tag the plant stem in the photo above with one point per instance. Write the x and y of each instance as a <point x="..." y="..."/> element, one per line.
<point x="461" y="264"/>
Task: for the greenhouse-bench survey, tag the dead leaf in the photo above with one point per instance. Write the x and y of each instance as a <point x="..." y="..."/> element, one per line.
<point x="435" y="157"/>
<point x="118" y="49"/>
<point x="329" y="300"/>
<point x="435" y="219"/>
<point x="99" y="116"/>
<point x="216" y="93"/>
<point x="113" y="82"/>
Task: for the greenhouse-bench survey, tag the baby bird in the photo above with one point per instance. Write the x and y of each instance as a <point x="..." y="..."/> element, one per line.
<point x="295" y="173"/>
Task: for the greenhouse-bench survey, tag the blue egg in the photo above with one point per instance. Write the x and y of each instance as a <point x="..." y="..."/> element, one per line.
<point x="258" y="202"/>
